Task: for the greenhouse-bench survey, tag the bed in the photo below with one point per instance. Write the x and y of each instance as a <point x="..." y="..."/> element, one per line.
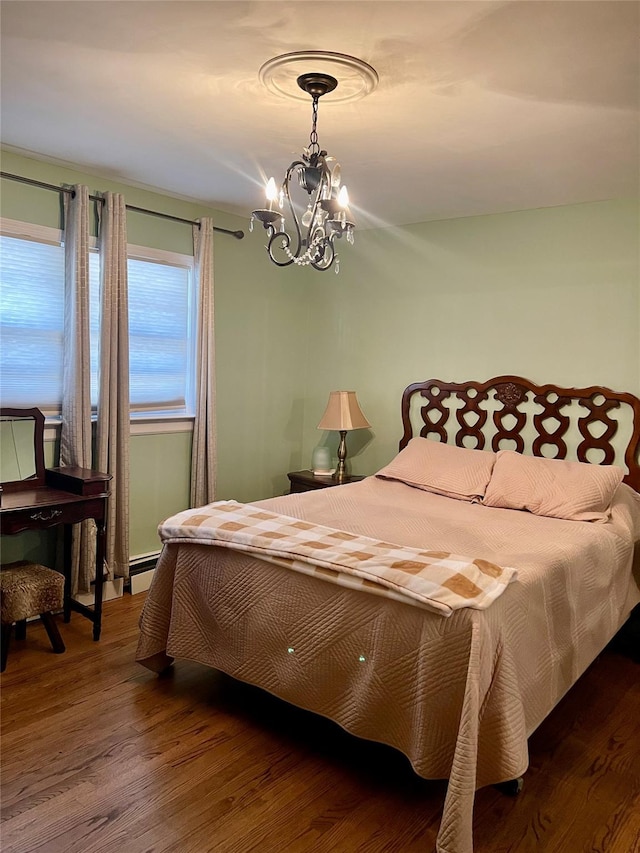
<point x="457" y="686"/>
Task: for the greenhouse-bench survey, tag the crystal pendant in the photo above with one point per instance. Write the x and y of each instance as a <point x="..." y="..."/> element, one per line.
<point x="307" y="216"/>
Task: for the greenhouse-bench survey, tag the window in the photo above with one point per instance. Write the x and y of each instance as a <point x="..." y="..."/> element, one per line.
<point x="161" y="331"/>
<point x="161" y="323"/>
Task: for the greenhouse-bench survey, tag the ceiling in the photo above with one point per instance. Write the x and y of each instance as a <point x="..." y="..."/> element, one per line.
<point x="481" y="107"/>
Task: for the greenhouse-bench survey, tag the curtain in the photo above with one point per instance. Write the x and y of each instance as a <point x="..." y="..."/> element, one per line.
<point x="75" y="437"/>
<point x="203" y="452"/>
<point x="112" y="431"/>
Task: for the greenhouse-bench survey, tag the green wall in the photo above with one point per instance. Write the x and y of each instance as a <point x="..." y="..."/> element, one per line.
<point x="551" y="294"/>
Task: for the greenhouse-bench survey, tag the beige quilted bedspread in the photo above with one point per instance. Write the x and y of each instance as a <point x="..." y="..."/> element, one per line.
<point x="460" y="695"/>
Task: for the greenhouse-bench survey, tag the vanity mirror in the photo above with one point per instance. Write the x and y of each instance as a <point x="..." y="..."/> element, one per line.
<point x="21" y="449"/>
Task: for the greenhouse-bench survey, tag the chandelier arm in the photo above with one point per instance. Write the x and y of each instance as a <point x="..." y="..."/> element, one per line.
<point x="293" y="166"/>
<point x="285" y="187"/>
<point x="316" y="220"/>
<point x="286" y="240"/>
<point x="327" y="260"/>
<point x="323" y="268"/>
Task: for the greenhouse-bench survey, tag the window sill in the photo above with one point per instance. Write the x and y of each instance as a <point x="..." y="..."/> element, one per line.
<point x="139" y="425"/>
<point x="154" y="424"/>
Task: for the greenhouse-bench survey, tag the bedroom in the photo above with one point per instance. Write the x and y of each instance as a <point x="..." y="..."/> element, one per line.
<point x="550" y="293"/>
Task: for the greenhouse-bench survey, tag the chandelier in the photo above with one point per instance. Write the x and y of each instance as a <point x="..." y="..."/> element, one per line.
<point x="308" y="239"/>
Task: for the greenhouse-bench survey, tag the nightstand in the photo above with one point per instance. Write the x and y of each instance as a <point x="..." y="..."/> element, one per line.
<point x="306" y="481"/>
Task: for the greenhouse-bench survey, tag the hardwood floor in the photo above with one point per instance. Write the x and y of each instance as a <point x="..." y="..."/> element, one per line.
<point x="100" y="755"/>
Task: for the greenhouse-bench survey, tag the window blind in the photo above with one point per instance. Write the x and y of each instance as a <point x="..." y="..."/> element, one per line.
<point x="159" y="335"/>
<point x="31" y="323"/>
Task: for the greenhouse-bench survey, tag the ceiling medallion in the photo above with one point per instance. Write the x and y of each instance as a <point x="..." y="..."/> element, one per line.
<point x="326" y="218"/>
<point x="357" y="78"/>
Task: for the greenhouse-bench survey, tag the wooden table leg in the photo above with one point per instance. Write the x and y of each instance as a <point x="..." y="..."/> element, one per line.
<point x="66" y="563"/>
<point x="97" y="610"/>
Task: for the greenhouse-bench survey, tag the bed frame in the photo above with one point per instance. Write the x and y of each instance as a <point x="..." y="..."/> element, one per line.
<point x="579" y="423"/>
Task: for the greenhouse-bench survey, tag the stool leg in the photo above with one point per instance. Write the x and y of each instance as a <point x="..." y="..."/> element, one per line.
<point x="52" y="630"/>
<point x="6" y="639"/>
<point x="21" y="629"/>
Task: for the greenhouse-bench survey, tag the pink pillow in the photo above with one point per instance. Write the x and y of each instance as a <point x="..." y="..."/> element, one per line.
<point x="558" y="488"/>
<point x="455" y="472"/>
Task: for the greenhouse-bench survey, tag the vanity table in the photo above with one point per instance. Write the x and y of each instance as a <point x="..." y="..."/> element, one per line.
<point x="38" y="498"/>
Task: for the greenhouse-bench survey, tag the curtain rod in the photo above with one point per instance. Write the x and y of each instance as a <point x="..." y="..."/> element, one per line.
<point x="237" y="234"/>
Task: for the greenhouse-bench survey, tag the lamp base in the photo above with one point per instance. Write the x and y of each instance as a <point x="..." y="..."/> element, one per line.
<point x="341" y="470"/>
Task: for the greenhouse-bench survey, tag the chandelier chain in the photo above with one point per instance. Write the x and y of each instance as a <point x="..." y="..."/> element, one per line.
<point x="314" y="147"/>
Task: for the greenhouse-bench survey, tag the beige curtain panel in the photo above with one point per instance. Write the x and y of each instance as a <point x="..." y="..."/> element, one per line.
<point x="203" y="453"/>
<point x="75" y="438"/>
<point x="112" y="431"/>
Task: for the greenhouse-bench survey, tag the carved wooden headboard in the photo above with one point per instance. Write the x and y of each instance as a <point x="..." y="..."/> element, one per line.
<point x="511" y="413"/>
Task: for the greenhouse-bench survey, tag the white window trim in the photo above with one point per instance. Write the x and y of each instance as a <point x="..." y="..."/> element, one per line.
<point x="30" y="231"/>
<point x="147" y="253"/>
<point x="55" y="236"/>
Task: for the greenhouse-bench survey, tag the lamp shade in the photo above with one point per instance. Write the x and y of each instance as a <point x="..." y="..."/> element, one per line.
<point x="343" y="412"/>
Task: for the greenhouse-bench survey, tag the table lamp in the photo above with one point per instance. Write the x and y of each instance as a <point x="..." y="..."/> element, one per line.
<point x="343" y="413"/>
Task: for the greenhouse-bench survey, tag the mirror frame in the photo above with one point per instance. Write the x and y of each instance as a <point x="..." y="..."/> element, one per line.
<point x="38" y="479"/>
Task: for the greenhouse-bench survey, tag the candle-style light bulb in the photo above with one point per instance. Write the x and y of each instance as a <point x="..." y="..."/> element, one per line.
<point x="343" y="197"/>
<point x="271" y="192"/>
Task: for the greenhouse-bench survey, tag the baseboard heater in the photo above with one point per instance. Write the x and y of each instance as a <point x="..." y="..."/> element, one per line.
<point x="141" y="569"/>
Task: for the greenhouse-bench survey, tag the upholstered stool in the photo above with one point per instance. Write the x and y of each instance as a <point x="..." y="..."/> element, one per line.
<point x="26" y="590"/>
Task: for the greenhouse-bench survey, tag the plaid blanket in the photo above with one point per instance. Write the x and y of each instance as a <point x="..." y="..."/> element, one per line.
<point x="438" y="580"/>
